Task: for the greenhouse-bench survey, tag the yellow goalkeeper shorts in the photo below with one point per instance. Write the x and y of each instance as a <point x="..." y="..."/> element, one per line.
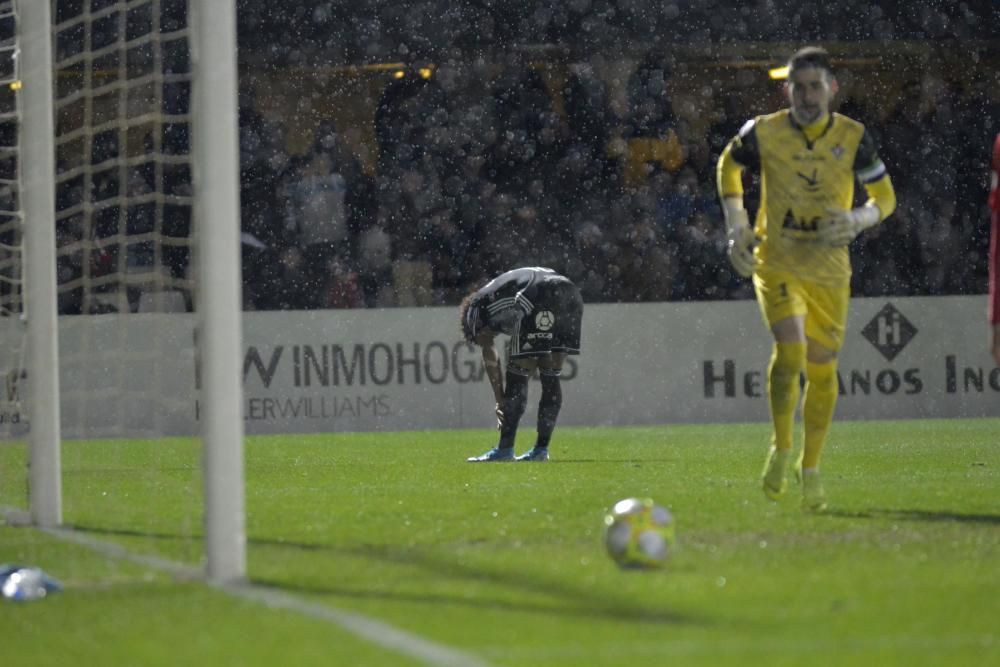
<point x="782" y="295"/>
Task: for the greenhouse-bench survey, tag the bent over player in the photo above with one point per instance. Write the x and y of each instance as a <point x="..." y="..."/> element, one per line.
<point x="797" y="250"/>
<point x="541" y="311"/>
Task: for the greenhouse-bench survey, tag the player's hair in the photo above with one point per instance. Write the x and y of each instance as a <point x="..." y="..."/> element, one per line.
<point x="810" y="56"/>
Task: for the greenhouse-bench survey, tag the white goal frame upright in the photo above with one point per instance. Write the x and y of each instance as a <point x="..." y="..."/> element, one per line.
<point x="39" y="263"/>
<point x="215" y="132"/>
<point x="216" y="175"/>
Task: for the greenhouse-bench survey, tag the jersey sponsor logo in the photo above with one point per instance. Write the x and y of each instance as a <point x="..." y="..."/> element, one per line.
<point x="812" y="182"/>
<point x="800" y="224"/>
<point x="538" y="336"/>
<point x="544" y="320"/>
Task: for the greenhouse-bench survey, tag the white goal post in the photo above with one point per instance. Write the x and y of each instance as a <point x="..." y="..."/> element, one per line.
<point x="217" y="216"/>
<point x="39" y="270"/>
<point x="216" y="274"/>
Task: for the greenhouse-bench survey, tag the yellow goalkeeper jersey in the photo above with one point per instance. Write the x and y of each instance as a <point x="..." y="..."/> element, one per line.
<point x="800" y="180"/>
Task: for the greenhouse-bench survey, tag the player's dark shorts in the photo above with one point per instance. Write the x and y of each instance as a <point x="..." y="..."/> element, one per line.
<point x="553" y="325"/>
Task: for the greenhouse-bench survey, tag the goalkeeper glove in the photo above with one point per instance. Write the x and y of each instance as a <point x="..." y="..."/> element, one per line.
<point x="740" y="237"/>
<point x="841" y="226"/>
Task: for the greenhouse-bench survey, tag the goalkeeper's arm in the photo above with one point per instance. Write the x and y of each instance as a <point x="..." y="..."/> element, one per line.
<point x="739" y="234"/>
<point x="842" y="225"/>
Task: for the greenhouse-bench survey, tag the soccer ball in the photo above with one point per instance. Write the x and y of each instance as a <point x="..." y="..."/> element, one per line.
<point x="639" y="533"/>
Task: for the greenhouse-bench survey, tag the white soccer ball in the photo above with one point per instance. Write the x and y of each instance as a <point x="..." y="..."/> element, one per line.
<point x="639" y="533"/>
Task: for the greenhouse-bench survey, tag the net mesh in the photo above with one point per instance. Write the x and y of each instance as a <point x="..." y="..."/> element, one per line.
<point x="123" y="183"/>
<point x="12" y="327"/>
<point x="122" y="88"/>
<point x="123" y="242"/>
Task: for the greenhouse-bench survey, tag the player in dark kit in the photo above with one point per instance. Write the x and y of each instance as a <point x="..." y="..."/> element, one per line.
<point x="541" y="311"/>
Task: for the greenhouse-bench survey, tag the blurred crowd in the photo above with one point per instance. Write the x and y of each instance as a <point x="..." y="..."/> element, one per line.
<point x="482" y="157"/>
<point x="466" y="185"/>
<point x="372" y="31"/>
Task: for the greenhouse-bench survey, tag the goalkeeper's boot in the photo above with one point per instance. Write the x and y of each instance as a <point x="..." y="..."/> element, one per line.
<point x="773" y="479"/>
<point x="495" y="454"/>
<point x="535" y="454"/>
<point x="813" y="493"/>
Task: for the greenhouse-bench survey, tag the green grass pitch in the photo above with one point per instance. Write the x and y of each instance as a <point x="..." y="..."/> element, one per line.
<point x="505" y="562"/>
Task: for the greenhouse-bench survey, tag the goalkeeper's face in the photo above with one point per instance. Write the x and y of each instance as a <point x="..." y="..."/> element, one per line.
<point x="810" y="92"/>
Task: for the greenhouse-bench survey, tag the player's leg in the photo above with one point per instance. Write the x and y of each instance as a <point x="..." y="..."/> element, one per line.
<point x="825" y="333"/>
<point x="820" y="401"/>
<point x="549" y="371"/>
<point x="515" y="399"/>
<point x="783" y="306"/>
<point x="784" y="372"/>
<point x="817" y="415"/>
<point x="558" y="333"/>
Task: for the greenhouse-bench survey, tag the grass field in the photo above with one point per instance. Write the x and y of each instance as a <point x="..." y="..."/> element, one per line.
<point x="504" y="563"/>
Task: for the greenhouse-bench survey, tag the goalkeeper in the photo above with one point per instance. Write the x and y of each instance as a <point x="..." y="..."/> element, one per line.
<point x="541" y="311"/>
<point x="797" y="251"/>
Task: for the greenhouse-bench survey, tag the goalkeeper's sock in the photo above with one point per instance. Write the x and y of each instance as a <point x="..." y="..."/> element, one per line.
<point x="783" y="377"/>
<point x="548" y="408"/>
<point x="515" y="399"/>
<point x="817" y="410"/>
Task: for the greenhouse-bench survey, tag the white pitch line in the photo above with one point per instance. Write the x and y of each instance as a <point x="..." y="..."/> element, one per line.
<point x="364" y="627"/>
<point x="371" y="629"/>
<point x="112" y="550"/>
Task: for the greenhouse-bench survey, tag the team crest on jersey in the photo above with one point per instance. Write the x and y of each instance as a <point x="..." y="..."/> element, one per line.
<point x="544" y="320"/>
<point x="838" y="151"/>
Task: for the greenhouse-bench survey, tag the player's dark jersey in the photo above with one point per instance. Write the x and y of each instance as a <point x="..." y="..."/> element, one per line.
<point x="538" y="308"/>
<point x="800" y="181"/>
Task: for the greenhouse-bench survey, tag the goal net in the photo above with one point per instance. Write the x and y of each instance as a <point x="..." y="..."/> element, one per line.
<point x="133" y="312"/>
<point x="122" y="90"/>
<point x="124" y="200"/>
<point x="12" y="330"/>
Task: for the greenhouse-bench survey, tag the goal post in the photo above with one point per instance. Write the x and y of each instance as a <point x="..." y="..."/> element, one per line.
<point x="39" y="270"/>
<point x="215" y="135"/>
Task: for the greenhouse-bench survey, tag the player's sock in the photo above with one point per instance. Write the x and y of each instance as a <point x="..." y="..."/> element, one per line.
<point x="817" y="410"/>
<point x="783" y="375"/>
<point x="548" y="407"/>
<point x="515" y="398"/>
